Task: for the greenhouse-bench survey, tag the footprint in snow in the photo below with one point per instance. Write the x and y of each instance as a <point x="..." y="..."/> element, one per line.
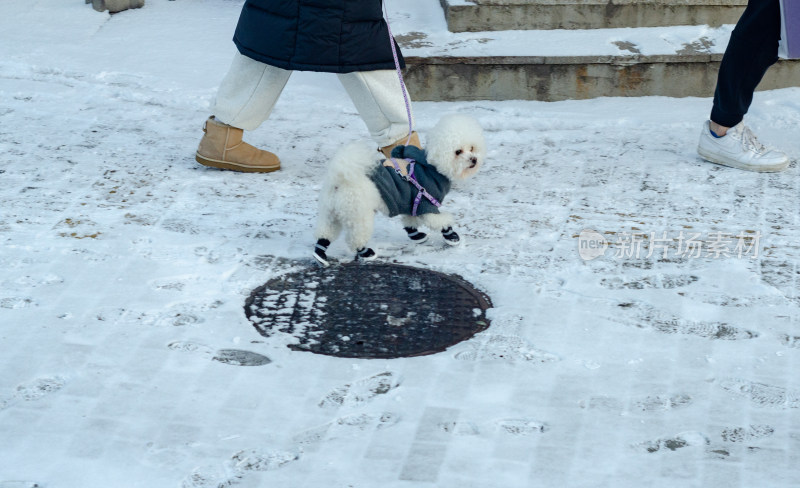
<point x="33" y="390"/>
<point x="181" y="226"/>
<point x="39" y="388"/>
<point x="666" y="282"/>
<point x="747" y="434"/>
<point x="781" y="275"/>
<point x="34" y="282"/>
<point x="460" y="428"/>
<point x="237" y="357"/>
<point x="361" y="391"/>
<point x="761" y="394"/>
<point x="648" y="317"/>
<point x="603" y="403"/>
<point x="506" y="348"/>
<point x="260" y="460"/>
<point x="209" y="477"/>
<point x="522" y="427"/>
<point x="238" y="466"/>
<point x="680" y="441"/>
<point x="652" y="403"/>
<point x="792" y="341"/>
<point x="348" y="426"/>
<point x="722" y="300"/>
<point x="176" y="319"/>
<point x="234" y="357"/>
<point x="662" y="402"/>
<point x="191" y="347"/>
<point x="176" y="283"/>
<point x="16" y="303"/>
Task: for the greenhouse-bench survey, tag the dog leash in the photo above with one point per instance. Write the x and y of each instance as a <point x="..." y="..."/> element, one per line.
<point x="411" y="178"/>
<point x="399" y="75"/>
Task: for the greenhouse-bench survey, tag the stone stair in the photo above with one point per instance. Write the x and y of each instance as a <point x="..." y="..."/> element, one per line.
<point x="493" y="15"/>
<point x="473" y="60"/>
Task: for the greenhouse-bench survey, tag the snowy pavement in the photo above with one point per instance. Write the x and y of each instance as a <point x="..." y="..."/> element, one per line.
<point x="125" y="267"/>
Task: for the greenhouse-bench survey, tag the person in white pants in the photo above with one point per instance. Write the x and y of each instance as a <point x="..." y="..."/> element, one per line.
<point x="360" y="54"/>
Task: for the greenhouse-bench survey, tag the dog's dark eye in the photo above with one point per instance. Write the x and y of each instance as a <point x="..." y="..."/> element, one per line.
<point x="458" y="152"/>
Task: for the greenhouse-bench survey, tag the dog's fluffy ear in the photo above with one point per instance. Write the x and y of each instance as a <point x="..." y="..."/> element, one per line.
<point x="453" y="132"/>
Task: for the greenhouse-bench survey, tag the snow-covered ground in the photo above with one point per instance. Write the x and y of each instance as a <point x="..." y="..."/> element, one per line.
<point x="125" y="266"/>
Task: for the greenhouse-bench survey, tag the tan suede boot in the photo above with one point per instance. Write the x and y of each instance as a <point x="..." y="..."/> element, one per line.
<point x="222" y="147"/>
<point x="387" y="150"/>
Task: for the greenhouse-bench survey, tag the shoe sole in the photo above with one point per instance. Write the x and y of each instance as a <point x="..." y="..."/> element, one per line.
<point x="420" y="241"/>
<point x="772" y="168"/>
<point x="243" y="168"/>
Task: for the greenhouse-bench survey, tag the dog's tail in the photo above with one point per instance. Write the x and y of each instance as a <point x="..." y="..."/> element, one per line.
<point x="354" y="159"/>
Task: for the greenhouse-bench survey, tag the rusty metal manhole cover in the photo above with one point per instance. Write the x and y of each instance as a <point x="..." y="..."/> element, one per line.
<point x="375" y="311"/>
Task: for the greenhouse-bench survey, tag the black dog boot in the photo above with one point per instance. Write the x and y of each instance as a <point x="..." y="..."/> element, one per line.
<point x="320" y="251"/>
<point x="365" y="254"/>
<point x="415" y="235"/>
<point x="450" y="236"/>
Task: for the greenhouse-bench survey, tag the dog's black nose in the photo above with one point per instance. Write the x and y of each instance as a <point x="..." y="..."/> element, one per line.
<point x="474" y="161"/>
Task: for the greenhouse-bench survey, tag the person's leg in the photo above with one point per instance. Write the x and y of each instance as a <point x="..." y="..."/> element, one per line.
<point x="244" y="101"/>
<point x="248" y="92"/>
<point x="379" y="100"/>
<point x="752" y="49"/>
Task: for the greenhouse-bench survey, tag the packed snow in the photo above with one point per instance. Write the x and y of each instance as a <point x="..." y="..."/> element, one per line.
<point x="127" y="359"/>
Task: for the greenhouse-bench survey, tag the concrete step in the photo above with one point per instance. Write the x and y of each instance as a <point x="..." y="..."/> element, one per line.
<point x="497" y="15"/>
<point x="551" y="65"/>
<point x="553" y="78"/>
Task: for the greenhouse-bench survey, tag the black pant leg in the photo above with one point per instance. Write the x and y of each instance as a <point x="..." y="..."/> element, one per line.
<point x="753" y="48"/>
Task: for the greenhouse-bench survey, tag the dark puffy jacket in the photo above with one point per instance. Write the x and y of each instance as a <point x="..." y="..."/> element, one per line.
<point x="336" y="36"/>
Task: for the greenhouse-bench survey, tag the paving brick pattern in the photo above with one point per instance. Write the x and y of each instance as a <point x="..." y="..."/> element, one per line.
<point x="125" y="268"/>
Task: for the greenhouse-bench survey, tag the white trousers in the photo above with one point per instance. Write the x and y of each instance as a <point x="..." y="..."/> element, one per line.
<point x="250" y="89"/>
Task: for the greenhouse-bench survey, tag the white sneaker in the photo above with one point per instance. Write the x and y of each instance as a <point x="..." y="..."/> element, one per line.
<point x="739" y="148"/>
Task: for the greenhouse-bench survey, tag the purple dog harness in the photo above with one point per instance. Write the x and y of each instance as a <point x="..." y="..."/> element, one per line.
<point x="421" y="191"/>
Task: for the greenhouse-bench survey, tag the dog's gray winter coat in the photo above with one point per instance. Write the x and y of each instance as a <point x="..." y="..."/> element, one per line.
<point x="399" y="194"/>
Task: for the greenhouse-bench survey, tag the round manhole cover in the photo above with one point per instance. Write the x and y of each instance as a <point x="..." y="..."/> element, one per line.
<point x="369" y="311"/>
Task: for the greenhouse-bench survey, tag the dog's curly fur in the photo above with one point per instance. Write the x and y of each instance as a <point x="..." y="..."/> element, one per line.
<point x="349" y="198"/>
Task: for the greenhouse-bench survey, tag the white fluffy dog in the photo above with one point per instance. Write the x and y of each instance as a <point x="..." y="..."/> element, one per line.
<point x="358" y="184"/>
